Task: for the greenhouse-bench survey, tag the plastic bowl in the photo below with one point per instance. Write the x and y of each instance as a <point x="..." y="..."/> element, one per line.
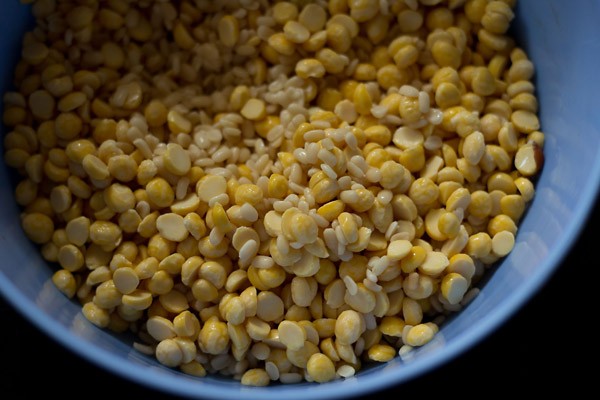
<point x="560" y="37"/>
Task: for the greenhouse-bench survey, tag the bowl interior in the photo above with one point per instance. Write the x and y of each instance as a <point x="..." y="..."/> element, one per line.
<point x="558" y="37"/>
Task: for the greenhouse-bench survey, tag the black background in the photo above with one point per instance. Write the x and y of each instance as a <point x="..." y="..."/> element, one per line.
<point x="549" y="346"/>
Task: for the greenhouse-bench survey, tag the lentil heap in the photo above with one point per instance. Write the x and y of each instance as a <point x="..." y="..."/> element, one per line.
<point x="272" y="191"/>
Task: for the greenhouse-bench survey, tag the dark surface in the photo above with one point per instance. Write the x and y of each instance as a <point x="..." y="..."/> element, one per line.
<point x="550" y="345"/>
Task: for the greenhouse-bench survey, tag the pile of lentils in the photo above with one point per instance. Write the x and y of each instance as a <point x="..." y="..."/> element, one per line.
<point x="275" y="191"/>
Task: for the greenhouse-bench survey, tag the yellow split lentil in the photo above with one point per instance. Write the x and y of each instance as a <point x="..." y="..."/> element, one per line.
<point x="272" y="190"/>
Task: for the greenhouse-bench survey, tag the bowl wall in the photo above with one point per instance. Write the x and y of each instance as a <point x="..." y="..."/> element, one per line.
<point x="563" y="40"/>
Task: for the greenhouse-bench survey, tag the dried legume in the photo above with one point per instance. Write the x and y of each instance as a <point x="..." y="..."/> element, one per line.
<point x="273" y="191"/>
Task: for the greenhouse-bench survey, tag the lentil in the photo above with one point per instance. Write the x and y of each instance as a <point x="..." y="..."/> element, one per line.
<point x="280" y="218"/>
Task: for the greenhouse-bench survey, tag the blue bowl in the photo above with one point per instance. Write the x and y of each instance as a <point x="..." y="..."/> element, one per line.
<point x="562" y="40"/>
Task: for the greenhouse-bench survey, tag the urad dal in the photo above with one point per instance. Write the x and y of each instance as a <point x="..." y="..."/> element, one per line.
<point x="272" y="191"/>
